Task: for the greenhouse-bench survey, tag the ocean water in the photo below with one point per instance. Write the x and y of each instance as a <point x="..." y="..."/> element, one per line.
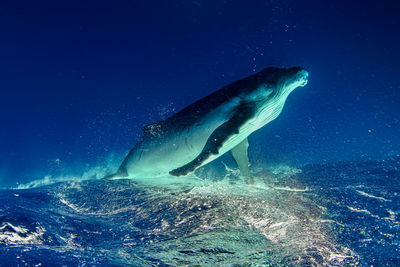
<point x="336" y="214"/>
<point x="78" y="81"/>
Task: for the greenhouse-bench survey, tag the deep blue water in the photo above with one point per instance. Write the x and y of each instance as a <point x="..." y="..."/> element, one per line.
<point x="79" y="80"/>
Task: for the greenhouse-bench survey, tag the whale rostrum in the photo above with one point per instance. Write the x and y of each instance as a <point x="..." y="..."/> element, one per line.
<point x="212" y="126"/>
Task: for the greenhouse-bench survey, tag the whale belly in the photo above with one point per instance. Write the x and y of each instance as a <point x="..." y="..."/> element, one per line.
<point x="159" y="155"/>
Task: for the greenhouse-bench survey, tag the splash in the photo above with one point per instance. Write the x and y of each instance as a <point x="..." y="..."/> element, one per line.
<point x="96" y="172"/>
<point x="200" y="221"/>
<point x="18" y="235"/>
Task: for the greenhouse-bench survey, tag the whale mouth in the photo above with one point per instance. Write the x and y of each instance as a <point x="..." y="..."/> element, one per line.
<point x="303" y="77"/>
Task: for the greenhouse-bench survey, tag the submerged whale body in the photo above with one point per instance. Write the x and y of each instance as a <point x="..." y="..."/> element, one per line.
<point x="212" y="126"/>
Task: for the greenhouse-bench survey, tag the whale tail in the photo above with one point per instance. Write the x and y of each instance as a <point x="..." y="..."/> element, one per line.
<point x="120" y="174"/>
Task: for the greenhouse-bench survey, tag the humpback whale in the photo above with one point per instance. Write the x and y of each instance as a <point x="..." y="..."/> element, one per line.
<point x="212" y="126"/>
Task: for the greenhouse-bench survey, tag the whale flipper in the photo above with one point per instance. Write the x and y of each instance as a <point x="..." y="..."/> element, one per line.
<point x="239" y="153"/>
<point x="240" y="116"/>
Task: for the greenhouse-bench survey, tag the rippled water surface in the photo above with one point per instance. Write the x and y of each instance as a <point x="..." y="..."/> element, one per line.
<point x="332" y="214"/>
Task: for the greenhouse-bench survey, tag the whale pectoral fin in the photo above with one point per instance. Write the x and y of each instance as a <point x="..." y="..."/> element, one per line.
<point x="240" y="155"/>
<point x="217" y="139"/>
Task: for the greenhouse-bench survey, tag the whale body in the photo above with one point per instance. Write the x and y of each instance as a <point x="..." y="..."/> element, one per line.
<point x="212" y="126"/>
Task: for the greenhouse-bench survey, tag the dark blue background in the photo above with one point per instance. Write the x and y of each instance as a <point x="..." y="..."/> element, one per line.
<point x="77" y="82"/>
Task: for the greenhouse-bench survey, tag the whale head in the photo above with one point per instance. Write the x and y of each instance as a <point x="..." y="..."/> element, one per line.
<point x="289" y="79"/>
<point x="284" y="80"/>
<point x="275" y="84"/>
<point x="294" y="77"/>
